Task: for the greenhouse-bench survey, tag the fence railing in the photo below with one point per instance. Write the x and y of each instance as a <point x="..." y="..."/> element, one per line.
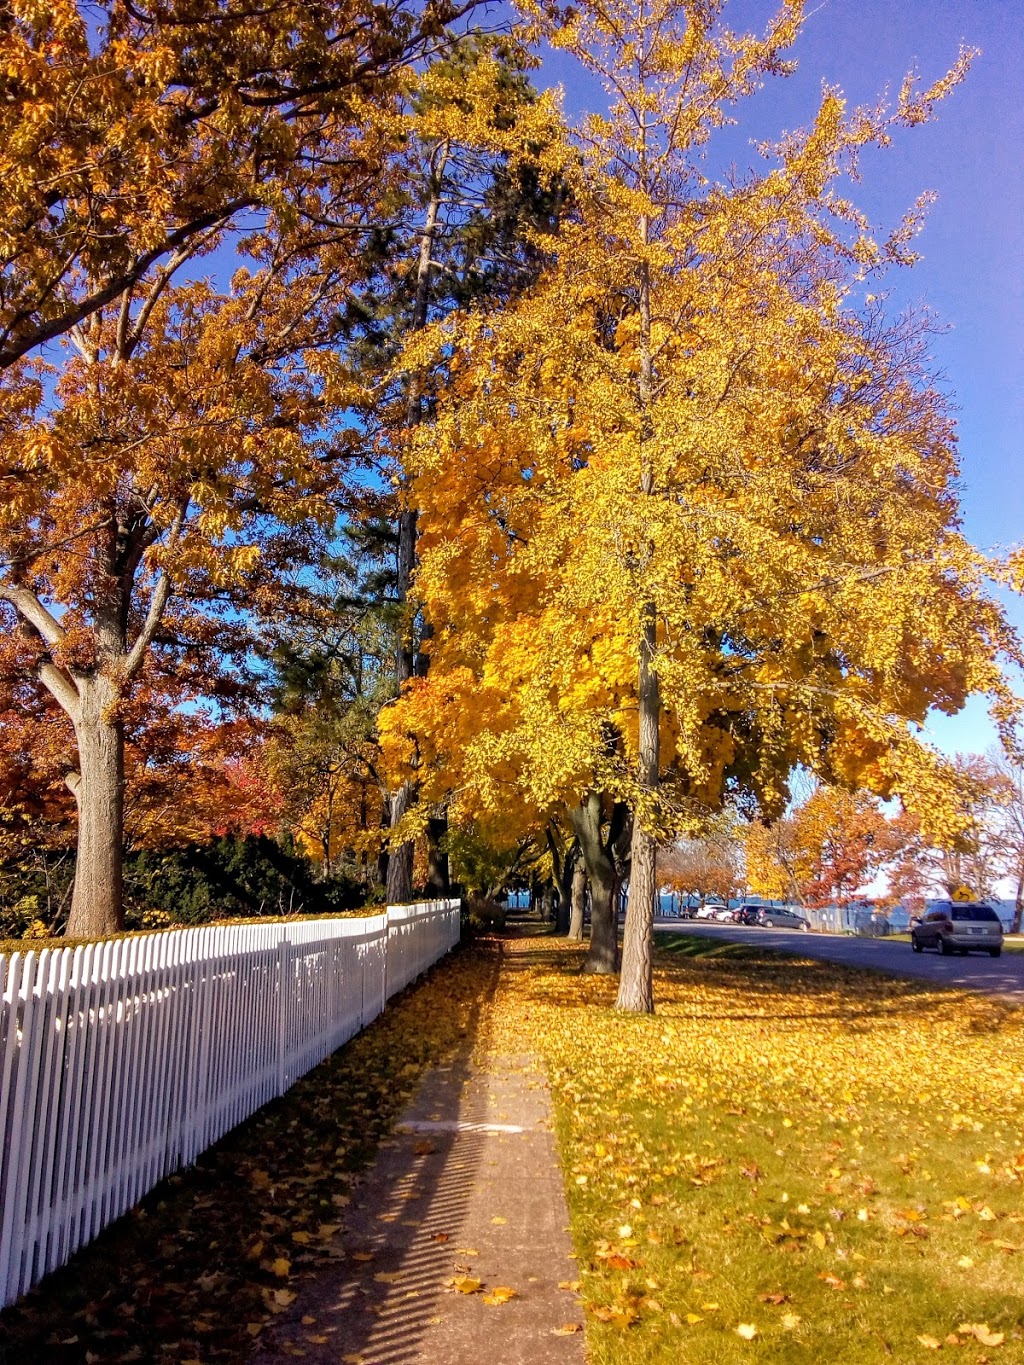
<point x="121" y="1061"/>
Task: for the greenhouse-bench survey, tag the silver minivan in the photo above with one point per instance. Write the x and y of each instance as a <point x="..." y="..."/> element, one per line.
<point x="959" y="926"/>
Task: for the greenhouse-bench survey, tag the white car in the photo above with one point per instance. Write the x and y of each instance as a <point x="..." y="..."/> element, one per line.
<point x="709" y="911"/>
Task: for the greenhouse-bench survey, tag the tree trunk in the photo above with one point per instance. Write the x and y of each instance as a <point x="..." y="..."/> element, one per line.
<point x="603" y="955"/>
<point x="438" y="875"/>
<point x="399" y="881"/>
<point x="636" y="992"/>
<point x="547" y="911"/>
<point x="565" y="879"/>
<point x="97" y="902"/>
<point x="1018" y="907"/>
<point x="579" y="900"/>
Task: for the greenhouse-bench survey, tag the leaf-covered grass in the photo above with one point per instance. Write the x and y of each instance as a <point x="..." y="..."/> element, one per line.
<point x="205" y="1261"/>
<point x="791" y="1161"/>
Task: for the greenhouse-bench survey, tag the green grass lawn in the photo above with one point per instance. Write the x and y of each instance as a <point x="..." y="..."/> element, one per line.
<point x="791" y="1162"/>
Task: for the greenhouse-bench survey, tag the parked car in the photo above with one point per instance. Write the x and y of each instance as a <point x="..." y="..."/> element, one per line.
<point x="709" y="911"/>
<point x="959" y="926"/>
<point x="771" y="917"/>
<point x="724" y="915"/>
<point x="750" y="914"/>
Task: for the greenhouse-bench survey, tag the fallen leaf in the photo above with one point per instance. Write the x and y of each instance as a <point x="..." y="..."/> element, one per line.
<point x="791" y="1321"/>
<point x="501" y="1293"/>
<point x="567" y="1329"/>
<point x="499" y="1221"/>
<point x="747" y="1331"/>
<point x="388" y="1276"/>
<point x="693" y="1319"/>
<point x="574" y="1286"/>
<point x="464" y="1284"/>
<point x="930" y="1343"/>
<point x="981" y="1333"/>
<point x="281" y="1268"/>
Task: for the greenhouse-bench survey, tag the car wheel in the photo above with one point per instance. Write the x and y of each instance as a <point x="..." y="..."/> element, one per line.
<point x="769" y="924"/>
<point x="915" y="945"/>
<point x="946" y="949"/>
<point x="994" y="952"/>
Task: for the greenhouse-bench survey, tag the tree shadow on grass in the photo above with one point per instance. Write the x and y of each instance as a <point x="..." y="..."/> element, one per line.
<point x="213" y="1254"/>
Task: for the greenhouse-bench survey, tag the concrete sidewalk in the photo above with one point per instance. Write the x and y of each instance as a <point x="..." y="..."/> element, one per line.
<point x="469" y="1189"/>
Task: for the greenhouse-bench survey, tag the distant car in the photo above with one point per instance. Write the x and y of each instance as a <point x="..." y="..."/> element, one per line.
<point x="724" y="915"/>
<point x="959" y="926"/>
<point x="771" y="917"/>
<point x="709" y="911"/>
<point x="749" y="914"/>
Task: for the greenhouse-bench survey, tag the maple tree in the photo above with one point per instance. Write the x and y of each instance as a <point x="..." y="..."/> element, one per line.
<point x="687" y="505"/>
<point x="825" y="851"/>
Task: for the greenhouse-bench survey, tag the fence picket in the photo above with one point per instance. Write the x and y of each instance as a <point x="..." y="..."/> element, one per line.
<point x="121" y="1061"/>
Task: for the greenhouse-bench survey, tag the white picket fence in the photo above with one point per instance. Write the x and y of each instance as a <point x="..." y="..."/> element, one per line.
<point x="121" y="1061"/>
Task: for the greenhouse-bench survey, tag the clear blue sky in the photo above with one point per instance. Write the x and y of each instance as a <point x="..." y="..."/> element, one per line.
<point x="972" y="270"/>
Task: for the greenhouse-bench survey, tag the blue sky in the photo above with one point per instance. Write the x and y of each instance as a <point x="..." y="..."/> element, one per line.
<point x="971" y="274"/>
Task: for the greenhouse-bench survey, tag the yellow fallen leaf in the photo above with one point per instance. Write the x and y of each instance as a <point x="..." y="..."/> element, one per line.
<point x="819" y="1240"/>
<point x="965" y="1262"/>
<point x="307" y="1321"/>
<point x="362" y="1255"/>
<point x="302" y="1238"/>
<point x="567" y="1329"/>
<point x="709" y="1307"/>
<point x="317" y="1340"/>
<point x="930" y="1343"/>
<point x="693" y="1319"/>
<point x="747" y="1331"/>
<point x="986" y="1215"/>
<point x="501" y="1293"/>
<point x="791" y="1321"/>
<point x="254" y="1328"/>
<point x="980" y="1332"/>
<point x="464" y="1284"/>
<point x="574" y="1286"/>
<point x="388" y="1276"/>
<point x="498" y="1221"/>
<point x="281" y="1268"/>
<point x="327" y="1230"/>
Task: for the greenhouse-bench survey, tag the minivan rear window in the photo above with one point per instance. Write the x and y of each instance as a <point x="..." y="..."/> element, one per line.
<point x="975" y="912"/>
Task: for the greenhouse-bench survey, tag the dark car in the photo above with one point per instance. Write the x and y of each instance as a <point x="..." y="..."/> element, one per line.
<point x="959" y="927"/>
<point x="749" y="914"/>
<point x="771" y="917"/>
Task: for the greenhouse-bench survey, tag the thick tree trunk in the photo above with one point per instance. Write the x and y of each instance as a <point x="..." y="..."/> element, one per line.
<point x="636" y="985"/>
<point x="438" y="874"/>
<point x="399" y="882"/>
<point x="97" y="901"/>
<point x="1018" y="909"/>
<point x="603" y="956"/>
<point x="579" y="900"/>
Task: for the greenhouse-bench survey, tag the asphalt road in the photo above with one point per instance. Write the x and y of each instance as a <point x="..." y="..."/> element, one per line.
<point x="996" y="976"/>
